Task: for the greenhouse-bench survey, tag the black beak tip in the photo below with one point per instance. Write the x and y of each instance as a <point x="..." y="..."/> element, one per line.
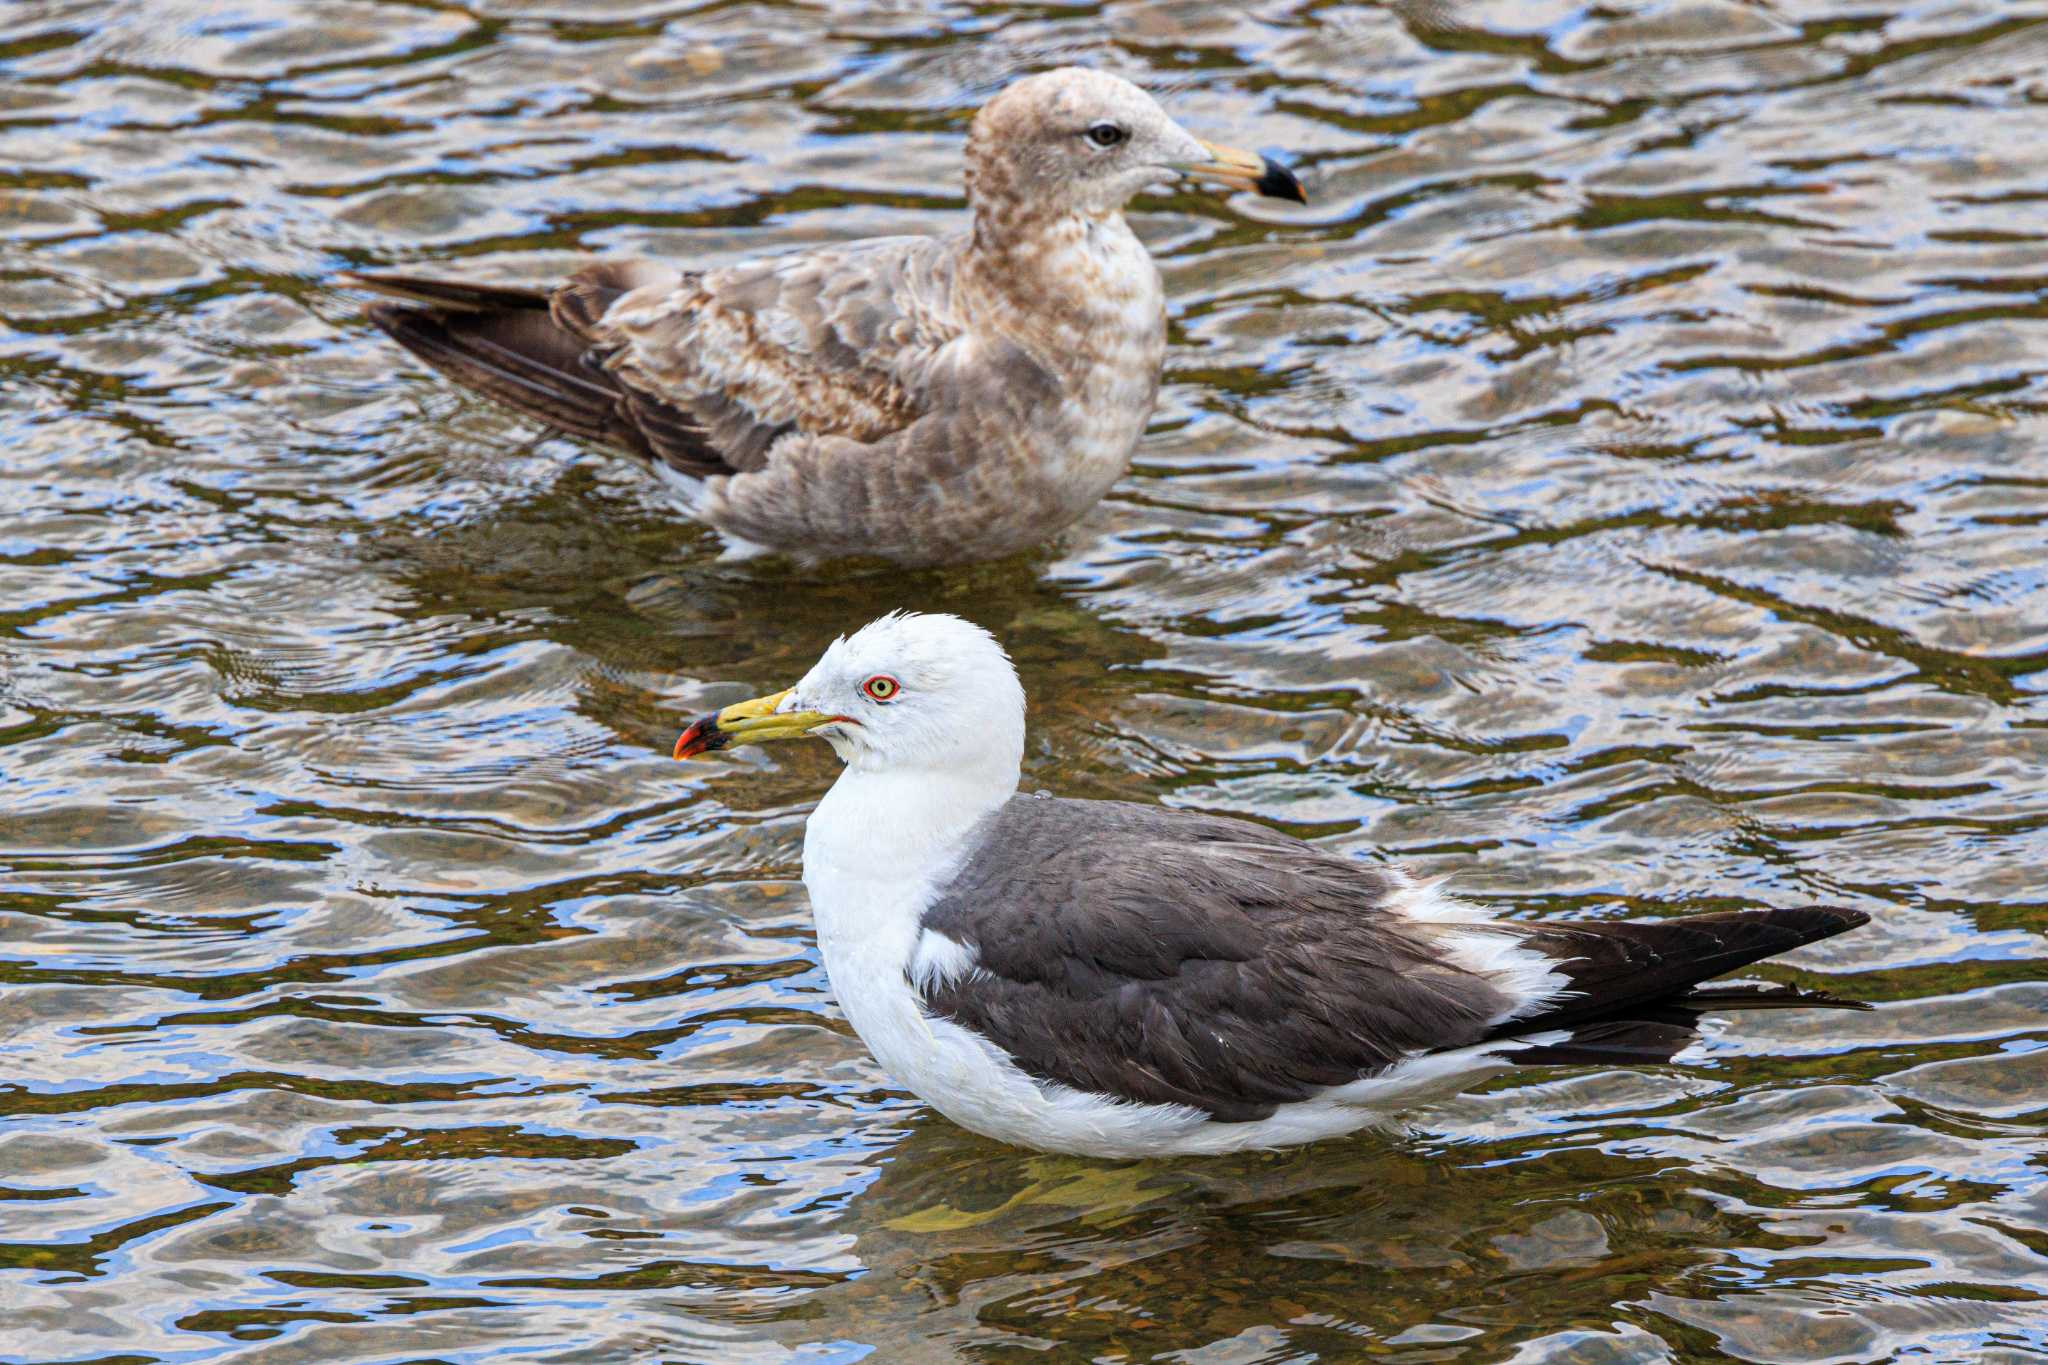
<point x="1277" y="182"/>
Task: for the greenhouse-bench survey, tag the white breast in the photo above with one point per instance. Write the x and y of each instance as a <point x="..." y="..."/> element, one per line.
<point x="875" y="852"/>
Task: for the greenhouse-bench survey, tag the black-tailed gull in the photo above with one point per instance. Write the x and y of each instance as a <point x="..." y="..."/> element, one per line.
<point x="923" y="399"/>
<point x="1122" y="980"/>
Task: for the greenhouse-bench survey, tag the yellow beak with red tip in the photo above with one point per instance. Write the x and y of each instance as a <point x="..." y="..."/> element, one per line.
<point x="749" y="722"/>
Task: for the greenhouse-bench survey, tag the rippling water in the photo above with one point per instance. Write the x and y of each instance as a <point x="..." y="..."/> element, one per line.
<point x="1623" y="490"/>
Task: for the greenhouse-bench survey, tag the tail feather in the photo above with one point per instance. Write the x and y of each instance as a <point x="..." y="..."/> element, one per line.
<point x="522" y="359"/>
<point x="543" y="353"/>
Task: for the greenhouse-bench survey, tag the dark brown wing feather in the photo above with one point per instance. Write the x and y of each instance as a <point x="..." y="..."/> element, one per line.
<point x="522" y="359"/>
<point x="465" y="296"/>
<point x="536" y="352"/>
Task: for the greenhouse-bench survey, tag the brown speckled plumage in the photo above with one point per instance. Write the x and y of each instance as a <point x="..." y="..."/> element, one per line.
<point x="926" y="400"/>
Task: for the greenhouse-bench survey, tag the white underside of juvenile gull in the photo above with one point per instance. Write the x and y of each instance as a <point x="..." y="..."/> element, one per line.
<point x="1119" y="980"/>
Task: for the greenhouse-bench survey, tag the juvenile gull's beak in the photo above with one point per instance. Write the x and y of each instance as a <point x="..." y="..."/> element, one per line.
<point x="1245" y="171"/>
<point x="749" y="722"/>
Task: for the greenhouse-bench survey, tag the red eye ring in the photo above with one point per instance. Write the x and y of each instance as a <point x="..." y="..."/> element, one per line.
<point x="882" y="687"/>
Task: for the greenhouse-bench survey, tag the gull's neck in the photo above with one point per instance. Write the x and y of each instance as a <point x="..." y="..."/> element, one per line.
<point x="1074" y="287"/>
<point x="884" y="839"/>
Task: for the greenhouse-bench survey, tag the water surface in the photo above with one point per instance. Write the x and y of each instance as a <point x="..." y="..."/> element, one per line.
<point x="1621" y="491"/>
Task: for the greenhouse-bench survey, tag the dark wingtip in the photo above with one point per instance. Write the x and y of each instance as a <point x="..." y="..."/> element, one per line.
<point x="1277" y="182"/>
<point x="1701" y="998"/>
<point x="1815" y="922"/>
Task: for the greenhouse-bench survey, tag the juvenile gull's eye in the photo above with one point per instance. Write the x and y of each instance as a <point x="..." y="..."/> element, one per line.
<point x="1106" y="134"/>
<point x="881" y="687"/>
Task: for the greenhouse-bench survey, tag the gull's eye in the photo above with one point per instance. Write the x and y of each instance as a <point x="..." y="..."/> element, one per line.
<point x="1106" y="134"/>
<point x="882" y="687"/>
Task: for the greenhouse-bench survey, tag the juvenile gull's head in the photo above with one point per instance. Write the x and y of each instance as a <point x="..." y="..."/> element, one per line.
<point x="905" y="692"/>
<point x="1081" y="142"/>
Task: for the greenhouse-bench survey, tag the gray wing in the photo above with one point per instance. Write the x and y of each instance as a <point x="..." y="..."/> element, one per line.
<point x="1173" y="958"/>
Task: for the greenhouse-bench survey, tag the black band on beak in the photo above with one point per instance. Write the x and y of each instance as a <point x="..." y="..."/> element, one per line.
<point x="702" y="737"/>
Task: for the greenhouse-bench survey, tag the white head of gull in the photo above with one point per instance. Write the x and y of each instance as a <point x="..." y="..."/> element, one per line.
<point x="1113" y="979"/>
<point x="923" y="399"/>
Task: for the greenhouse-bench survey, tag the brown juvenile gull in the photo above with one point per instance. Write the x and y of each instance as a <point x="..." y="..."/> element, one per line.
<point x="1120" y="980"/>
<point x="924" y="399"/>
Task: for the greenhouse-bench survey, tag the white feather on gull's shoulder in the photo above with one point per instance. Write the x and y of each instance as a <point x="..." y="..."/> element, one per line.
<point x="1484" y="946"/>
<point x="939" y="961"/>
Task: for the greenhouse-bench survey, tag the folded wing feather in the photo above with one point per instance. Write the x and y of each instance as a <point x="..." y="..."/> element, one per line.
<point x="1172" y="958"/>
<point x="700" y="371"/>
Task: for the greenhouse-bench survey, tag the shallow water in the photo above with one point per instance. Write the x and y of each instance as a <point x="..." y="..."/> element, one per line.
<point x="1622" y="491"/>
